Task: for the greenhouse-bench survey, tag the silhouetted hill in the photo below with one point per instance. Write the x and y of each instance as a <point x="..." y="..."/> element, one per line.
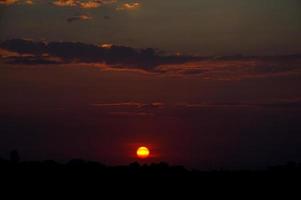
<point x="137" y="170"/>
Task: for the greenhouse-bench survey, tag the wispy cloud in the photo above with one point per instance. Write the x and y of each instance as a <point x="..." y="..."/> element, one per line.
<point x="89" y="4"/>
<point x="121" y="104"/>
<point x="12" y="2"/>
<point x="276" y="103"/>
<point x="8" y="2"/>
<point x="82" y="17"/>
<point x="129" y="6"/>
<point x="64" y="3"/>
<point x="6" y="53"/>
<point x="236" y="68"/>
<point x="137" y="105"/>
<point x="131" y="114"/>
<point x="131" y="108"/>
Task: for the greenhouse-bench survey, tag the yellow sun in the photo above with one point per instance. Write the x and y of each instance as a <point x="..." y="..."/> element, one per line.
<point x="143" y="152"/>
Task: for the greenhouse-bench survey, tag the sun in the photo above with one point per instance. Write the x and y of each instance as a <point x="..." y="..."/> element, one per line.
<point x="143" y="152"/>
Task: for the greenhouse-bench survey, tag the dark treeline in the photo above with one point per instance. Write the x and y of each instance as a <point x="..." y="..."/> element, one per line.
<point x="91" y="177"/>
<point x="135" y="169"/>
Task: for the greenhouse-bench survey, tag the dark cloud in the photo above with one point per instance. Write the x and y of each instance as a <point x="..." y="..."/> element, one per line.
<point x="33" y="60"/>
<point x="117" y="56"/>
<point x="25" y="46"/>
<point x="150" y="60"/>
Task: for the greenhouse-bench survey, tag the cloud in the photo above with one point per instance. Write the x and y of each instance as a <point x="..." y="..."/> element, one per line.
<point x="276" y="103"/>
<point x="8" y="2"/>
<point x="6" y="53"/>
<point x="129" y="6"/>
<point x="122" y="58"/>
<point x="79" y="18"/>
<point x="34" y="60"/>
<point x="131" y="109"/>
<point x="159" y="108"/>
<point x="25" y="46"/>
<point x="122" y="104"/>
<point x="119" y="57"/>
<point x="63" y="3"/>
<point x="131" y="114"/>
<point x="84" y="4"/>
<point x="106" y="45"/>
<point x="137" y="105"/>
<point x="234" y="68"/>
<point x="89" y="4"/>
<point x="12" y="2"/>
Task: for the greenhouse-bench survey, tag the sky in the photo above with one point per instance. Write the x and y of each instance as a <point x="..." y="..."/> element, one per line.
<point x="206" y="27"/>
<point x="207" y="84"/>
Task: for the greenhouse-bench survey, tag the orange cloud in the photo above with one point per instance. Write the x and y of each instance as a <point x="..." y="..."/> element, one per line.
<point x="236" y="68"/>
<point x="64" y="3"/>
<point x="129" y="6"/>
<point x="82" y="4"/>
<point x="11" y="2"/>
<point x="6" y="53"/>
<point x="95" y="3"/>
<point x="29" y="2"/>
<point x="8" y="2"/>
<point x="106" y="46"/>
<point x="89" y="4"/>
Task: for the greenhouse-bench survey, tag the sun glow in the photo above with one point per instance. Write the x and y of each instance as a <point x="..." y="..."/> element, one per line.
<point x="143" y="152"/>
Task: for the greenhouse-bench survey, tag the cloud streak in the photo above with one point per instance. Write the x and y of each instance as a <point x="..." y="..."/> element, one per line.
<point x="148" y="107"/>
<point x="137" y="105"/>
<point x="276" y="103"/>
<point x="79" y="18"/>
<point x="237" y="68"/>
<point x="8" y="2"/>
<point x="12" y="2"/>
<point x="90" y="4"/>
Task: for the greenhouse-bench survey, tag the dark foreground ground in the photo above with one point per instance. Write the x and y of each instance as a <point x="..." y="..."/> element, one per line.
<point x="78" y="177"/>
<point x="160" y="178"/>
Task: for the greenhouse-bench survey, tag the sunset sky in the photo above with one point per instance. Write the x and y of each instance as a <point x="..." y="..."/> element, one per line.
<point x="202" y="83"/>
